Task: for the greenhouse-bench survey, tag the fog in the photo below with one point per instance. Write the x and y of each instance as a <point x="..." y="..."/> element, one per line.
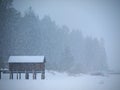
<point x="94" y="18"/>
<point x="79" y="39"/>
<point x="97" y="23"/>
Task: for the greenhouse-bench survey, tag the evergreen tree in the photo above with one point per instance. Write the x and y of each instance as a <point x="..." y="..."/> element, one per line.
<point x="8" y="20"/>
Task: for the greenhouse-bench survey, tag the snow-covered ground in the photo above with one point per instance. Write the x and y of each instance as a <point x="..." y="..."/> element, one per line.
<point x="62" y="81"/>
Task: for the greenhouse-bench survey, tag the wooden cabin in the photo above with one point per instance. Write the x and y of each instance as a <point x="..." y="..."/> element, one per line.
<point x="27" y="64"/>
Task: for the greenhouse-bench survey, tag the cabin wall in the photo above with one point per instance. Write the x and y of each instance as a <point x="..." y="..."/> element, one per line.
<point x="26" y="66"/>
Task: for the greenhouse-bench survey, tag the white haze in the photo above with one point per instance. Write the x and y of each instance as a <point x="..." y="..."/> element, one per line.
<point x="99" y="19"/>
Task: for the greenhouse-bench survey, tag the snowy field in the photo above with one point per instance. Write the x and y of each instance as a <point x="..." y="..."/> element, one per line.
<point x="62" y="81"/>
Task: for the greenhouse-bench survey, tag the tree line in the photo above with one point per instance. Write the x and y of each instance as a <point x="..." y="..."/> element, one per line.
<point x="65" y="50"/>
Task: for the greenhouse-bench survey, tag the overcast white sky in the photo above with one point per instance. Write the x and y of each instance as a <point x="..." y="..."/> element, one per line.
<point x="96" y="18"/>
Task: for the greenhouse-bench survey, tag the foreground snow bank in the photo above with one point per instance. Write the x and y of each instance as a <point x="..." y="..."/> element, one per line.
<point x="61" y="81"/>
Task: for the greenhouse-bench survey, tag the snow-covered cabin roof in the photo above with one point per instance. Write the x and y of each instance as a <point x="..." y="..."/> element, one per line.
<point x="26" y="59"/>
